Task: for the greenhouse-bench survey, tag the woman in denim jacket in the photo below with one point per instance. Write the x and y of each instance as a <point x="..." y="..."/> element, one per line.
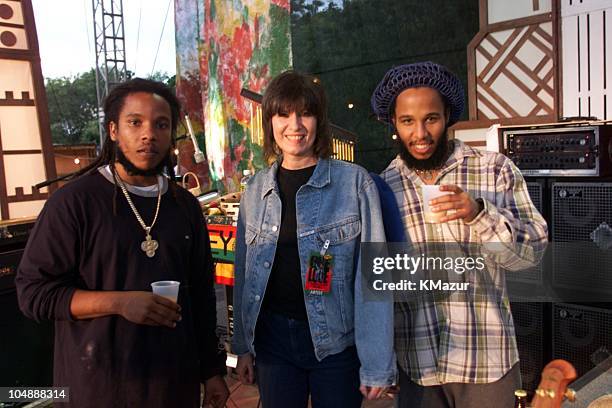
<point x="301" y="322"/>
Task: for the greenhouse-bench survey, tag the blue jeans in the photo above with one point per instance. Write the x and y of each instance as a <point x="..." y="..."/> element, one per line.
<point x="288" y="371"/>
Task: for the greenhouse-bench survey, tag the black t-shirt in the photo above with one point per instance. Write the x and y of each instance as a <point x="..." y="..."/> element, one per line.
<point x="82" y="241"/>
<point x="285" y="293"/>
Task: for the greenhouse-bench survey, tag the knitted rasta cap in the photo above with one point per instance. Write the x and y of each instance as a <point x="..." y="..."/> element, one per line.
<point x="420" y="74"/>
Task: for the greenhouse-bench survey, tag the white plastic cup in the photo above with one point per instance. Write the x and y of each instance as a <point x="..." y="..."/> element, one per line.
<point x="167" y="289"/>
<point x="430" y="192"/>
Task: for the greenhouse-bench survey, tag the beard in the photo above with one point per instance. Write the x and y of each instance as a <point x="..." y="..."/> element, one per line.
<point x="132" y="170"/>
<point x="437" y="159"/>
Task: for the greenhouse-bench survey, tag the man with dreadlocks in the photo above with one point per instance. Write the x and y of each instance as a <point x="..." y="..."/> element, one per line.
<point x="99" y="243"/>
<point x="456" y="349"/>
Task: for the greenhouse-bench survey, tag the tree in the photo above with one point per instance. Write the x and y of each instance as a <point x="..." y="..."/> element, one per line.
<point x="350" y="44"/>
<point x="163" y="77"/>
<point x="73" y="106"/>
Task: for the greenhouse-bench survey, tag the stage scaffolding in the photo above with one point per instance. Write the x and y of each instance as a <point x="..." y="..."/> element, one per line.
<point x="110" y="50"/>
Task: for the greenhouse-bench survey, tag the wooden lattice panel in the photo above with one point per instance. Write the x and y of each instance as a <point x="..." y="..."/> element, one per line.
<point x="515" y="73"/>
<point x="26" y="153"/>
<point x="505" y="10"/>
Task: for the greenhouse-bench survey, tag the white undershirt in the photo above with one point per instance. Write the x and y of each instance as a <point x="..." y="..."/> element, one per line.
<point x="146" y="191"/>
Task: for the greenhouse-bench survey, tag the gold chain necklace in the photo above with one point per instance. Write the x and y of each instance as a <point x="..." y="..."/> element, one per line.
<point x="427" y="175"/>
<point x="149" y="245"/>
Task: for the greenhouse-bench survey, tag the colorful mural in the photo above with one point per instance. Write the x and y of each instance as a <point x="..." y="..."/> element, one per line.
<point x="239" y="44"/>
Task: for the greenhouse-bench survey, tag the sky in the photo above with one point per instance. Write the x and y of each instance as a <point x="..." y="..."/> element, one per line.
<point x="66" y="36"/>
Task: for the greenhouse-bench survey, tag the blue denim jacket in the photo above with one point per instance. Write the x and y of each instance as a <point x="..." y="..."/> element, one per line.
<point x="339" y="203"/>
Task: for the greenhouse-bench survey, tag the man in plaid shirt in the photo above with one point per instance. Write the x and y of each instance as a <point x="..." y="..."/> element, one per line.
<point x="453" y="351"/>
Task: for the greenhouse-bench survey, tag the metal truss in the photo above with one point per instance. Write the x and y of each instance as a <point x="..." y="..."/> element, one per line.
<point x="110" y="50"/>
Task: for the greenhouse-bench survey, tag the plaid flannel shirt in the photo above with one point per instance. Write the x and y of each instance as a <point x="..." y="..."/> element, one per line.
<point x="445" y="340"/>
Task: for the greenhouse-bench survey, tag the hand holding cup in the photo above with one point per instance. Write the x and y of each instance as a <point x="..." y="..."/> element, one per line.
<point x="452" y="197"/>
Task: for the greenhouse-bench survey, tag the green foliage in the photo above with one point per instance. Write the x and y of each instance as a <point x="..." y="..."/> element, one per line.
<point x="163" y="77"/>
<point x="350" y="44"/>
<point x="171" y="82"/>
<point x="73" y="106"/>
<point x="279" y="42"/>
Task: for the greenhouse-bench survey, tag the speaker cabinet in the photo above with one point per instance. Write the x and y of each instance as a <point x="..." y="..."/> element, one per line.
<point x="529" y="326"/>
<point x="26" y="347"/>
<point x="581" y="335"/>
<point x="536" y="192"/>
<point x="582" y="240"/>
<point x="9" y="261"/>
<point x="533" y="275"/>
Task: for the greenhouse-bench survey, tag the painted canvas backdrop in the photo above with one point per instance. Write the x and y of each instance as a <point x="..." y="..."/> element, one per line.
<point x="238" y="44"/>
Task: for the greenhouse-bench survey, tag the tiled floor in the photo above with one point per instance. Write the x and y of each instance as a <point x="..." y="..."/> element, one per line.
<point x="246" y="396"/>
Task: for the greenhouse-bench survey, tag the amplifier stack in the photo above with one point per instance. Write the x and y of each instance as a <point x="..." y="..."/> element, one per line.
<point x="13" y="238"/>
<point x="26" y="347"/>
<point x="567" y="169"/>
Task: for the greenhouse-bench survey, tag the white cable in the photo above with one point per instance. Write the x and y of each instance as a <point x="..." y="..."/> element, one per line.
<point x="138" y="35"/>
<point x="160" y="37"/>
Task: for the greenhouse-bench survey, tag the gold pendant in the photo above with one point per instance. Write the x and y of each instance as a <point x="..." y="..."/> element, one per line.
<point x="149" y="246"/>
<point x="426" y="175"/>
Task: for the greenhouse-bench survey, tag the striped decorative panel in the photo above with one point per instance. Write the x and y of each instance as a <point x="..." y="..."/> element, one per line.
<point x="343" y="149"/>
<point x="586" y="55"/>
<point x="255" y="123"/>
<point x="515" y="73"/>
<point x="224" y="274"/>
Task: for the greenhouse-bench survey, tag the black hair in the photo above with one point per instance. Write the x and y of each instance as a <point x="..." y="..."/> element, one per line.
<point x="293" y="91"/>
